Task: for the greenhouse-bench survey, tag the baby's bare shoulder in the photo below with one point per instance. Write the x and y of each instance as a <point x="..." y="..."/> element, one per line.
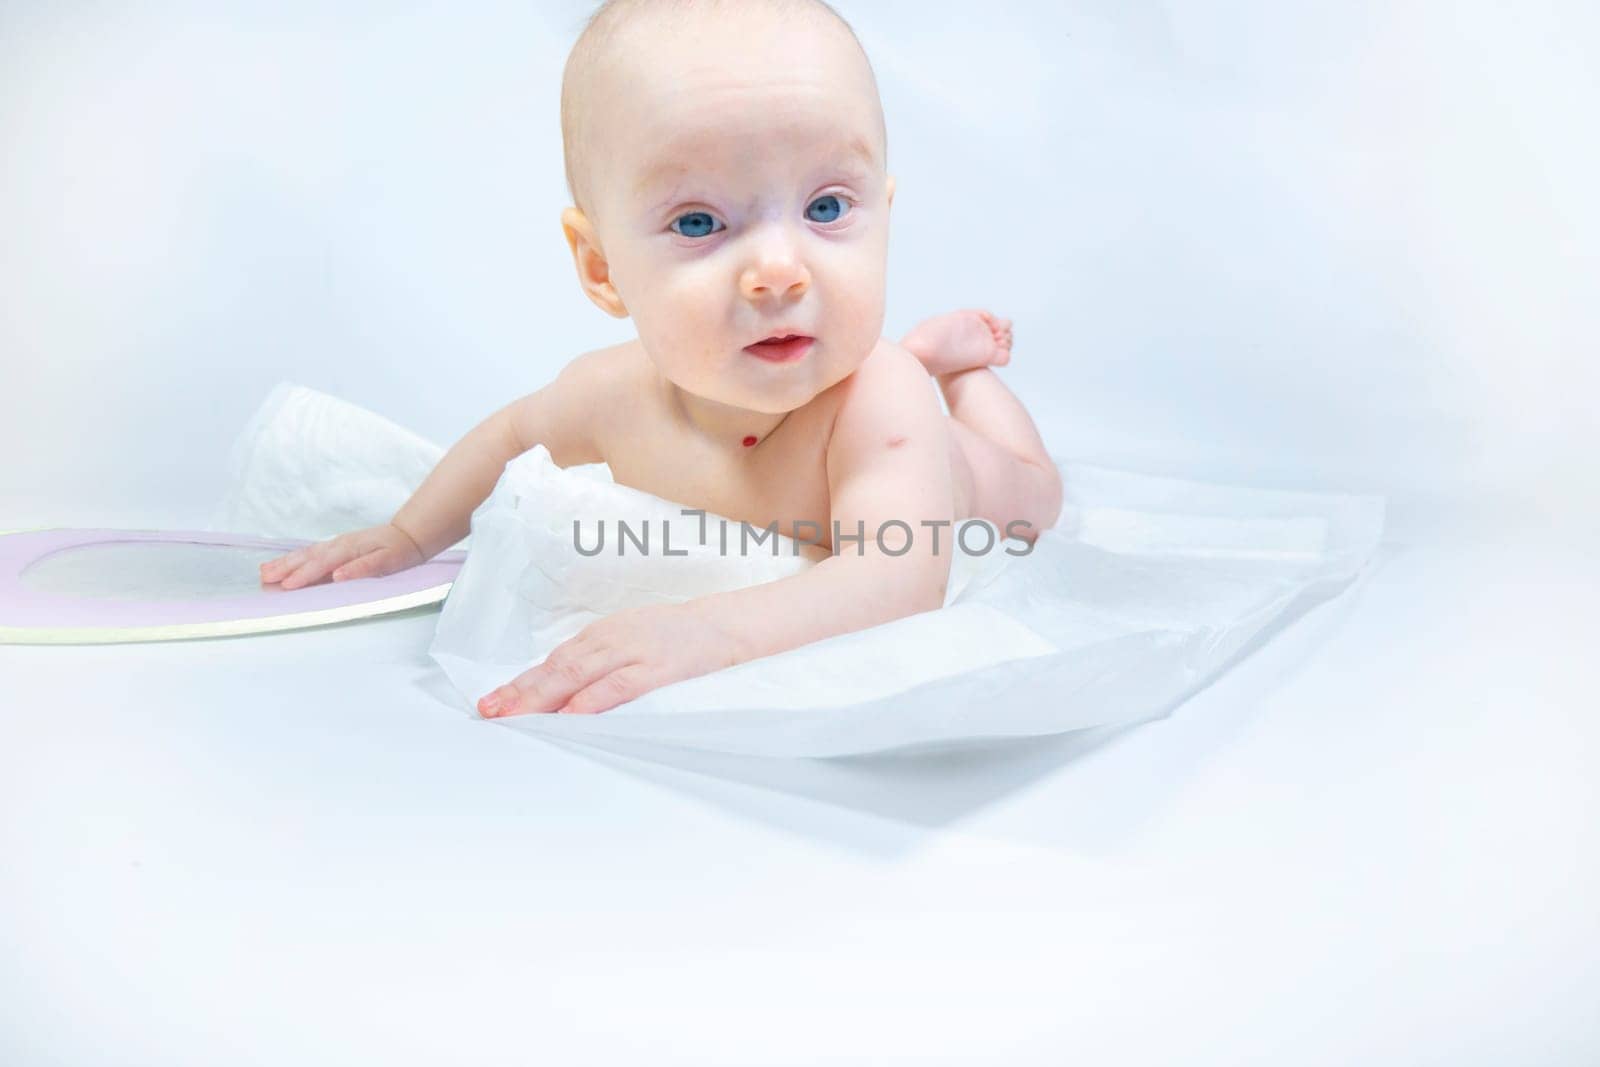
<point x="599" y="370"/>
<point x="888" y="455"/>
<point x="890" y="395"/>
<point x="889" y="363"/>
<point x="570" y="415"/>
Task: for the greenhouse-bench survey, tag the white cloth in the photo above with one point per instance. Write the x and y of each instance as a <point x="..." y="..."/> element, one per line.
<point x="309" y="465"/>
<point x="1146" y="588"/>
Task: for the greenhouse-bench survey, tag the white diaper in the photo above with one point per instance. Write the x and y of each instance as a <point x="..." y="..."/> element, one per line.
<point x="1142" y="593"/>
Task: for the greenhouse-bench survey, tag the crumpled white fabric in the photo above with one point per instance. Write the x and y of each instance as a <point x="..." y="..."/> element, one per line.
<point x="1146" y="588"/>
<point x="309" y="465"/>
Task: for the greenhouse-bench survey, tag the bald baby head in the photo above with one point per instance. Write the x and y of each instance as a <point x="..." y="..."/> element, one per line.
<point x="628" y="46"/>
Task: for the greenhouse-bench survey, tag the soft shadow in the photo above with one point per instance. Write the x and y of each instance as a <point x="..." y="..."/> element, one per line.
<point x="883" y="804"/>
<point x="287" y="631"/>
<point x="887" y="804"/>
<point x="436" y="684"/>
<point x="1103" y="810"/>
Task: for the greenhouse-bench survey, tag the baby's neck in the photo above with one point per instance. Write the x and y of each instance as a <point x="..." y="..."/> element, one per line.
<point x="730" y="427"/>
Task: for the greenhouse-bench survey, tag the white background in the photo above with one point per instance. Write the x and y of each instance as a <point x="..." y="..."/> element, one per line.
<point x="1341" y="246"/>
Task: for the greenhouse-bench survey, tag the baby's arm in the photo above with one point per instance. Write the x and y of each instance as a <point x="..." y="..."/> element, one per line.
<point x="888" y="458"/>
<point x="559" y="416"/>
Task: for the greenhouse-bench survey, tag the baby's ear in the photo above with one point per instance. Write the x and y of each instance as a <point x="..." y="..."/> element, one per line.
<point x="891" y="191"/>
<point x="594" y="273"/>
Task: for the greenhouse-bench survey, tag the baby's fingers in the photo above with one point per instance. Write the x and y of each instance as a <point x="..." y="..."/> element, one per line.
<point x="274" y="569"/>
<point x="374" y="564"/>
<point x="618" y="687"/>
<point x="568" y="669"/>
<point x="315" y="563"/>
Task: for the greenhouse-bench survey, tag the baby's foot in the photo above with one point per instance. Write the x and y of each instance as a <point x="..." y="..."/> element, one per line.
<point x="960" y="341"/>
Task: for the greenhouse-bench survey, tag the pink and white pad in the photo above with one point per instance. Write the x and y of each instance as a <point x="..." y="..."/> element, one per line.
<point x="73" y="586"/>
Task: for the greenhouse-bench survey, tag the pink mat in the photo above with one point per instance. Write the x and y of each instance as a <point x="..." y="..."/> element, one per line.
<point x="91" y="586"/>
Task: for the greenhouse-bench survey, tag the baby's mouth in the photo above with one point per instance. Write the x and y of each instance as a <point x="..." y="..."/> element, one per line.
<point x="781" y="348"/>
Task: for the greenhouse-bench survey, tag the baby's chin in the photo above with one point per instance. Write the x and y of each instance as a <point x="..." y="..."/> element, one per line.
<point x="768" y="402"/>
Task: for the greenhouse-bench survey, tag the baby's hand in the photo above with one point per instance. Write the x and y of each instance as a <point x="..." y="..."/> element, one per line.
<point x="615" y="659"/>
<point x="369" y="553"/>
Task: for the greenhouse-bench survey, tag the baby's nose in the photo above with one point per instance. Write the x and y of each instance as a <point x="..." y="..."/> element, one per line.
<point x="783" y="276"/>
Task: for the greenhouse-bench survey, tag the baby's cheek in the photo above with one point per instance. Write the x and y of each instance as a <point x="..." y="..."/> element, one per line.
<point x="861" y="305"/>
<point x="672" y="324"/>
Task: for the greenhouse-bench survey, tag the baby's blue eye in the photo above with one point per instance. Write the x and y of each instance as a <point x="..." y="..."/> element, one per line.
<point x="831" y="208"/>
<point x="695" y="224"/>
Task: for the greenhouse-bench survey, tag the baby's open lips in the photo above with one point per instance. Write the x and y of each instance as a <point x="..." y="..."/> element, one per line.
<point x="785" y="333"/>
<point x="781" y="346"/>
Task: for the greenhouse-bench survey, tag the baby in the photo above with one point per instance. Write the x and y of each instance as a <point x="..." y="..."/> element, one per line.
<point x="726" y="162"/>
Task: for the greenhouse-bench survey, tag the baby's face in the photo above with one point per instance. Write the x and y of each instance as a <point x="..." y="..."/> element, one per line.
<point x="741" y="194"/>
